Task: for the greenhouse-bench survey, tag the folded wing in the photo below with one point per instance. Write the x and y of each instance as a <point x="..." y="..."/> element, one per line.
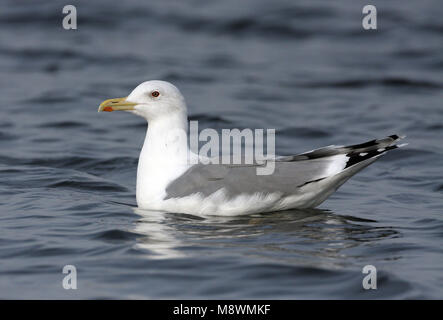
<point x="291" y="172"/>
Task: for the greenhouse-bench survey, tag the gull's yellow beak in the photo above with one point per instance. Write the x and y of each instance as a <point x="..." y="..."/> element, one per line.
<point x="117" y="104"/>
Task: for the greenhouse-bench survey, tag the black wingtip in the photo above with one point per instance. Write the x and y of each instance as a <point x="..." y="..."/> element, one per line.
<point x="397" y="137"/>
<point x="357" y="156"/>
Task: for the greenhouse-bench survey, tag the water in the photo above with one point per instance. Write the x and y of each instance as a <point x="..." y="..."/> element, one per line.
<point x="309" y="70"/>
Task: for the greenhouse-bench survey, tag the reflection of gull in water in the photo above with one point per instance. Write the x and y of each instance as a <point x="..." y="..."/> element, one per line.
<point x="311" y="237"/>
<point x="160" y="240"/>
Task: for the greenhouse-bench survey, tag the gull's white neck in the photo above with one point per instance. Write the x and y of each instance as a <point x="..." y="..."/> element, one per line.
<point x="163" y="157"/>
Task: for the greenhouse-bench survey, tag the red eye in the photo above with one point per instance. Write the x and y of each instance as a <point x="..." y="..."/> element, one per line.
<point x="155" y="94"/>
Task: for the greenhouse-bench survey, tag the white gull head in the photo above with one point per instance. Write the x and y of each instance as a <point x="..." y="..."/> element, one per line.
<point x="156" y="99"/>
<point x="151" y="100"/>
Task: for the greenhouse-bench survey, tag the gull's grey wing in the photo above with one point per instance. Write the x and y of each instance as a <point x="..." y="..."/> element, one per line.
<point x="207" y="179"/>
<point x="291" y="172"/>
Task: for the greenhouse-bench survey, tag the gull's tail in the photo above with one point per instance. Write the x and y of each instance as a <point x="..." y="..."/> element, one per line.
<point x="333" y="160"/>
<point x="354" y="153"/>
<point x="344" y="162"/>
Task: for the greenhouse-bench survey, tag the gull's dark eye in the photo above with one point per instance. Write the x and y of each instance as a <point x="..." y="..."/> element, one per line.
<point x="155" y="93"/>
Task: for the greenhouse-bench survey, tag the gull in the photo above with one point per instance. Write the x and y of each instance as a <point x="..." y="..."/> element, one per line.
<point x="168" y="181"/>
